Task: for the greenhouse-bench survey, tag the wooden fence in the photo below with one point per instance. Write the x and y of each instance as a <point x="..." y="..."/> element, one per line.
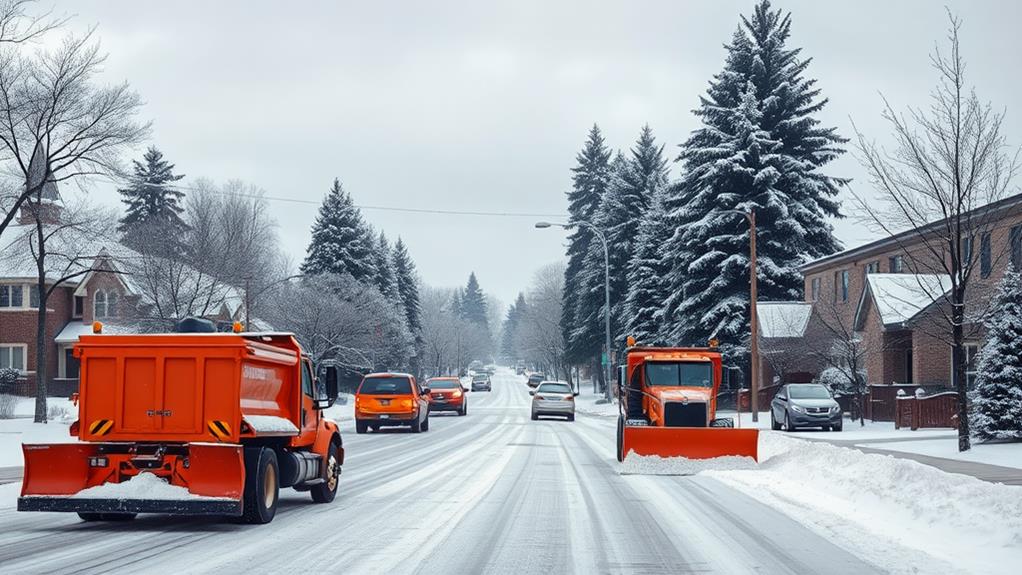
<point x="938" y="410"/>
<point x="881" y="400"/>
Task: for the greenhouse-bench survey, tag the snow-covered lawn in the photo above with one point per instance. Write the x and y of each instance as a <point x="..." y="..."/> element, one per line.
<point x="343" y="409"/>
<point x="867" y="499"/>
<point x="1003" y="454"/>
<point x="21" y="429"/>
<point x="852" y="430"/>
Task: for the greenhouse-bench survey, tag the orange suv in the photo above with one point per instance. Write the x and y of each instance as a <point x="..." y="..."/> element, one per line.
<point x="391" y="399"/>
<point x="447" y="394"/>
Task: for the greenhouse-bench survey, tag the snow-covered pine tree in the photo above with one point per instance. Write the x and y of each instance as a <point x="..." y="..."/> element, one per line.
<point x="590" y="178"/>
<point x="996" y="402"/>
<point x="509" y="331"/>
<point x="408" y="287"/>
<point x="385" y="275"/>
<point x="761" y="148"/>
<point x="153" y="205"/>
<point x="647" y="286"/>
<point x="342" y="242"/>
<point x="473" y="304"/>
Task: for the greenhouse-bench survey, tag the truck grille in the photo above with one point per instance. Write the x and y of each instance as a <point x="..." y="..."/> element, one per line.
<point x="684" y="415"/>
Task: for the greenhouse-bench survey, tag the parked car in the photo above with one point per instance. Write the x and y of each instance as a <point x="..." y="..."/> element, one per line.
<point x="391" y="399"/>
<point x="481" y="382"/>
<point x="535" y="379"/>
<point x="553" y="398"/>
<point x="805" y="405"/>
<point x="447" y="394"/>
<point x="519" y="370"/>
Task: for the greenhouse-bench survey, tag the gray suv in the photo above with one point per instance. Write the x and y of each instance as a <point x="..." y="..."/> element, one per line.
<point x="805" y="405"/>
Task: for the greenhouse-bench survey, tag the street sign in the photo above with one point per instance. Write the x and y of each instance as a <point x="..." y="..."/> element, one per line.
<point x="603" y="358"/>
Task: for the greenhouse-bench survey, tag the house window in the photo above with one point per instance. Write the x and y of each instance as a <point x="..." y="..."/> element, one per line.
<point x="841" y="285"/>
<point x="871" y="268"/>
<point x="895" y="264"/>
<point x="984" y="255"/>
<point x="12" y="356"/>
<point x="1016" y="246"/>
<point x="814" y="289"/>
<point x="971" y="353"/>
<point x="12" y="296"/>
<point x="104" y="304"/>
<point x="33" y="296"/>
<point x="79" y="308"/>
<point x="966" y="252"/>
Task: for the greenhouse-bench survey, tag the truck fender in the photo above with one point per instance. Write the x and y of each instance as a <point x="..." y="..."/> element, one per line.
<point x="328" y="433"/>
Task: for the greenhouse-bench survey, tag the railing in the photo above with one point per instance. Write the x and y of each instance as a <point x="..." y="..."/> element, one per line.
<point x="926" y="411"/>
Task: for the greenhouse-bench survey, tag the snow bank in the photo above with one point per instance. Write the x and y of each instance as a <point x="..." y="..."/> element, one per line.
<point x="145" y="485"/>
<point x="1003" y="454"/>
<point x="867" y="499"/>
<point x="270" y="424"/>
<point x="656" y="465"/>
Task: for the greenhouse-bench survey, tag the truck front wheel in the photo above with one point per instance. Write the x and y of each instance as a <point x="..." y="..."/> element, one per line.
<point x="262" y="485"/>
<point x="326" y="491"/>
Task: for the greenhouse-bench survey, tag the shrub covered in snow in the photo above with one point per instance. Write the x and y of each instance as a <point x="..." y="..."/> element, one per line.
<point x="8" y="378"/>
<point x="996" y="403"/>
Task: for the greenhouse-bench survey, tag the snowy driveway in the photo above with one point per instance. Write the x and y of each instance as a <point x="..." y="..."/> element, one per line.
<point x="492" y="492"/>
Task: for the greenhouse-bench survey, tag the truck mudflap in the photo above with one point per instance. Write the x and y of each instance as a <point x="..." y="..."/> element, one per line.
<point x="689" y="442"/>
<point x="195" y="478"/>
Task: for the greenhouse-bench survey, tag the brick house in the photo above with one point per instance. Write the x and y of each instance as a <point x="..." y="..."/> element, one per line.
<point x="888" y="294"/>
<point x="108" y="291"/>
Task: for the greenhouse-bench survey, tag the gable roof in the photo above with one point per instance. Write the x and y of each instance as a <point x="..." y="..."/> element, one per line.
<point x="898" y="298"/>
<point x="783" y="318"/>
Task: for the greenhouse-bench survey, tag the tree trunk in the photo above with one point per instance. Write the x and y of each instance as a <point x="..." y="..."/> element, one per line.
<point x="958" y="379"/>
<point x="41" y="408"/>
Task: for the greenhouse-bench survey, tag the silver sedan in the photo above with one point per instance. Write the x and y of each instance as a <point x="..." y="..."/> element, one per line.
<point x="553" y="398"/>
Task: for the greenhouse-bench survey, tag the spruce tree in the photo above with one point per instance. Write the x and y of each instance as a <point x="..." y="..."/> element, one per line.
<point x="509" y="332"/>
<point x="342" y="242"/>
<point x="385" y="275"/>
<point x="473" y="304"/>
<point x="407" y="287"/>
<point x="760" y="148"/>
<point x="647" y="287"/>
<point x="996" y="403"/>
<point x="153" y="205"/>
<point x="590" y="178"/>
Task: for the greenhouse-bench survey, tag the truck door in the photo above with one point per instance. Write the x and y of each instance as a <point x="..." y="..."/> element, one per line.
<point x="310" y="415"/>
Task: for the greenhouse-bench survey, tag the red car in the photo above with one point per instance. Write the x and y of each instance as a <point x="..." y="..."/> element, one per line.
<point x="447" y="394"/>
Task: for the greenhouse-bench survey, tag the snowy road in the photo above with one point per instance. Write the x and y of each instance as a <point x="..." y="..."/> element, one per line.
<point x="492" y="492"/>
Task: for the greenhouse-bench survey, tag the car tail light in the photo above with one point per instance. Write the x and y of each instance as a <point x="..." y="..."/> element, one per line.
<point x="569" y="398"/>
<point x="407" y="403"/>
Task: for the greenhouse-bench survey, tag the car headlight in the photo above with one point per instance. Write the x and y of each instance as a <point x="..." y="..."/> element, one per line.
<point x="835" y="409"/>
<point x="798" y="408"/>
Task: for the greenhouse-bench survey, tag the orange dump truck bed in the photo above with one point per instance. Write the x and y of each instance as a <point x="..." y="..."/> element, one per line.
<point x="191" y="410"/>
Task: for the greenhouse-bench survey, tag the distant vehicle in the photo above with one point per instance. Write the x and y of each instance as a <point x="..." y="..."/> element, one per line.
<point x="475" y="366"/>
<point x="391" y="399"/>
<point x="519" y="370"/>
<point x="805" y="405"/>
<point x="535" y="379"/>
<point x="447" y="394"/>
<point x="553" y="398"/>
<point x="489" y="370"/>
<point x="481" y="382"/>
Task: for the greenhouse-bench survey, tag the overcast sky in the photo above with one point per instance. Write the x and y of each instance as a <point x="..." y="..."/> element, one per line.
<point x="483" y="105"/>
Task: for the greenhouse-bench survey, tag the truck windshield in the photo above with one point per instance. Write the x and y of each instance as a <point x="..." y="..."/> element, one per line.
<point x="386" y="386"/>
<point x="443" y="384"/>
<point x="679" y="374"/>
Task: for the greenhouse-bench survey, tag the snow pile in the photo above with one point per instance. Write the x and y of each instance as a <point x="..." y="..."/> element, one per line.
<point x="866" y="499"/>
<point x="145" y="485"/>
<point x="270" y="424"/>
<point x="656" y="465"/>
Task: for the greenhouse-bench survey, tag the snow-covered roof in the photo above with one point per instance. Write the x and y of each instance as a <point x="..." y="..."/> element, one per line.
<point x="75" y="329"/>
<point x="900" y="297"/>
<point x="783" y="318"/>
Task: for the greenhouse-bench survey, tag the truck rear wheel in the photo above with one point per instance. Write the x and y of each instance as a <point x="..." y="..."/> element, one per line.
<point x="262" y="485"/>
<point x="326" y="491"/>
<point x="620" y="438"/>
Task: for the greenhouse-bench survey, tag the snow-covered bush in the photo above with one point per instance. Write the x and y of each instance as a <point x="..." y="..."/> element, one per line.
<point x="839" y="380"/>
<point x="8" y="378"/>
<point x="996" y="403"/>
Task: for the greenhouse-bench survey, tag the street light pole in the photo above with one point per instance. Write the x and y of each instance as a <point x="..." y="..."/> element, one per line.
<point x="606" y="292"/>
<point x="753" y="319"/>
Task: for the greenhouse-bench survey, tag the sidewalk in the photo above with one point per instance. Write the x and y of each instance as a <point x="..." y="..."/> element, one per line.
<point x="983" y="471"/>
<point x="10" y="474"/>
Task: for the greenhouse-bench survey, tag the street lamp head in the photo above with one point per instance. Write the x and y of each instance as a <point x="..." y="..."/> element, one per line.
<point x="543" y="225"/>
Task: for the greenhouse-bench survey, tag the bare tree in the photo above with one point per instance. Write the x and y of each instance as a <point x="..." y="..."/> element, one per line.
<point x="17" y="26"/>
<point x="948" y="160"/>
<point x="61" y="250"/>
<point x="540" y="338"/>
<point x="56" y="122"/>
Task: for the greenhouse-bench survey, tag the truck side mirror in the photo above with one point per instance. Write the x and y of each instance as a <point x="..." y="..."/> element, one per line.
<point x="331" y="382"/>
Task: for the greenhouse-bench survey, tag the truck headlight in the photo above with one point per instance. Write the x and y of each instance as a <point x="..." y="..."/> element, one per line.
<point x="798" y="408"/>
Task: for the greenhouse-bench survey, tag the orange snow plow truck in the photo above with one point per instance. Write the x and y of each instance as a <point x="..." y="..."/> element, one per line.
<point x="669" y="406"/>
<point x="189" y="423"/>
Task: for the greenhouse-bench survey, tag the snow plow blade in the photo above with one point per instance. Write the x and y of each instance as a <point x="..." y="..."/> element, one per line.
<point x="206" y="479"/>
<point x="689" y="442"/>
